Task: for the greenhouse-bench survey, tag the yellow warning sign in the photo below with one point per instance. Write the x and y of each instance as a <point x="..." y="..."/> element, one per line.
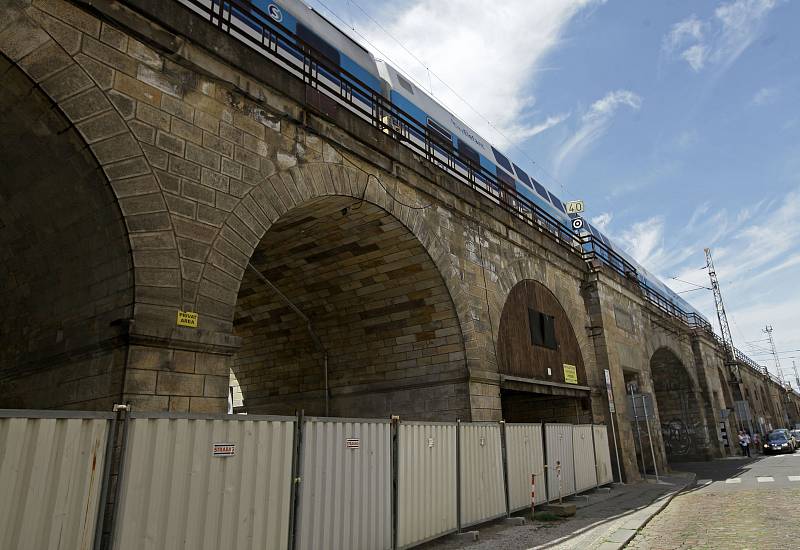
<point x="570" y="374"/>
<point x="187" y="319"/>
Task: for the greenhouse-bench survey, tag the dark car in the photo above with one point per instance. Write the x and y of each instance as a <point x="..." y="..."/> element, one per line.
<point x="778" y="442"/>
<point x="788" y="436"/>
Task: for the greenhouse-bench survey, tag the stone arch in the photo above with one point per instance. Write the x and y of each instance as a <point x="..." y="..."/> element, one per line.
<point x="66" y="270"/>
<point x="48" y="51"/>
<point x="317" y="232"/>
<point x="534" y="386"/>
<point x="680" y="408"/>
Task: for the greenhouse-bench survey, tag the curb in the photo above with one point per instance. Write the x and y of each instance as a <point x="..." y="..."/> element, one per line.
<point x="621" y="537"/>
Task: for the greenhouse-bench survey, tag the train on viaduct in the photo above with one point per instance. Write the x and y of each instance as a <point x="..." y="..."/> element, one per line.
<point x="185" y="222"/>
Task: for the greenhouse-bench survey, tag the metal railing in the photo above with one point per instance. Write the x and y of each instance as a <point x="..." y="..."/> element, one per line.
<point x="322" y="76"/>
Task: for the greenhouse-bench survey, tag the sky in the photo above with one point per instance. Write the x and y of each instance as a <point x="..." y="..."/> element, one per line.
<point x="677" y="122"/>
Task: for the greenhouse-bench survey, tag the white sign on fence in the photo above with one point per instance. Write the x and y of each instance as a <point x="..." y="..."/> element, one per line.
<point x="351" y="443"/>
<point x="223" y="449"/>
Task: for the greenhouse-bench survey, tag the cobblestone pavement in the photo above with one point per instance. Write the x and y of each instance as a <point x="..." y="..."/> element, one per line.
<point x="745" y="519"/>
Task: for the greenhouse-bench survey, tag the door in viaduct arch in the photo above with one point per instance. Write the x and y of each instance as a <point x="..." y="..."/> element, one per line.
<point x="683" y="425"/>
<point x="66" y="283"/>
<point x="537" y="353"/>
<point x="377" y="304"/>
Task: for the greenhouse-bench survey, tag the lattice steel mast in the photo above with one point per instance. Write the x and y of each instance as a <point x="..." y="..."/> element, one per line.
<point x="725" y="329"/>
<point x="768" y="331"/>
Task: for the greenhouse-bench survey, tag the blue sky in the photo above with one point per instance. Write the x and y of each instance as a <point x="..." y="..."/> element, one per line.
<point x="676" y="121"/>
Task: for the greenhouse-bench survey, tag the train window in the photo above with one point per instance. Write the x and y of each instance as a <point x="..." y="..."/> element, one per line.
<point x="505" y="178"/>
<point x="557" y="203"/>
<point x="439" y="133"/>
<point x="319" y="45"/>
<point x="543" y="329"/>
<point x="405" y="84"/>
<point x="502" y="160"/>
<point x="540" y="189"/>
<point x="468" y="153"/>
<point x="522" y="175"/>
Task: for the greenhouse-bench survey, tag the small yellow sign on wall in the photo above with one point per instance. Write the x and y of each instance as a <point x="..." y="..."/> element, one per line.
<point x="187" y="319"/>
<point x="570" y="374"/>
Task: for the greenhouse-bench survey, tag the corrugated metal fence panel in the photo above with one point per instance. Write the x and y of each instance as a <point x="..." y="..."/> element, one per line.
<point x="175" y="494"/>
<point x="558" y="448"/>
<point x="426" y="482"/>
<point x="525" y="456"/>
<point x="482" y="491"/>
<point x="50" y="480"/>
<point x="602" y="455"/>
<point x="583" y="452"/>
<point x="346" y="491"/>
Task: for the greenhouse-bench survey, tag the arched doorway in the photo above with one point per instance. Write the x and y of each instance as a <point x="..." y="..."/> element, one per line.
<point x="683" y="425"/>
<point x="543" y="377"/>
<point x="342" y="279"/>
<point x="66" y="282"/>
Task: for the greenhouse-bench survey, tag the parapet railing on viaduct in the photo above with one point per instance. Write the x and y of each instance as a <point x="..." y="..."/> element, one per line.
<point x="310" y="64"/>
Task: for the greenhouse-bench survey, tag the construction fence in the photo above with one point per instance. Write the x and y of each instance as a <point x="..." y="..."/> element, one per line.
<point x="246" y="482"/>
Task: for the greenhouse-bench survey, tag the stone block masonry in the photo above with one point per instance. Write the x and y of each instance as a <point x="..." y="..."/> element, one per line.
<point x="149" y="171"/>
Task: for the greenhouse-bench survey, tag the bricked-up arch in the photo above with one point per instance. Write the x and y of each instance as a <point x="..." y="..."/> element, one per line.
<point x="66" y="276"/>
<point x="378" y="304"/>
<point x="679" y="406"/>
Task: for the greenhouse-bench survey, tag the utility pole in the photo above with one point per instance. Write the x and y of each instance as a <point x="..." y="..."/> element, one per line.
<point x="796" y="377"/>
<point x="768" y="331"/>
<point x="724" y="328"/>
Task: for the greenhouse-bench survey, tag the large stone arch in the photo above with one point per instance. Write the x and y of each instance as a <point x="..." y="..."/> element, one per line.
<point x="66" y="270"/>
<point x="282" y="222"/>
<point x="679" y="406"/>
<point x="534" y="384"/>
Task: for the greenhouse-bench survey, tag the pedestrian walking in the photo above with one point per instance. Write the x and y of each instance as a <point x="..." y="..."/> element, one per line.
<point x="757" y="442"/>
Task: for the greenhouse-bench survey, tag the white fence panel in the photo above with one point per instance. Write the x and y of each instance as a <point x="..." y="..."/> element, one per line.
<point x="481" y="473"/>
<point x="558" y="450"/>
<point x="346" y="487"/>
<point x="50" y="478"/>
<point x="602" y="454"/>
<point x="176" y="494"/>
<point x="583" y="451"/>
<point x="524" y="456"/>
<point x="426" y="482"/>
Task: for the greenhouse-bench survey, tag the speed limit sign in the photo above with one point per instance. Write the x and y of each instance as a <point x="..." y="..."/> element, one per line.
<point x="577" y="223"/>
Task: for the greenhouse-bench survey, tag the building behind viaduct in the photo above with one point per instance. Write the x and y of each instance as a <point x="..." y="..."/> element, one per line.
<point x="152" y="164"/>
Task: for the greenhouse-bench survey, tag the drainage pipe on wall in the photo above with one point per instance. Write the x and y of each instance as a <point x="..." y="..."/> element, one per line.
<point x="309" y="327"/>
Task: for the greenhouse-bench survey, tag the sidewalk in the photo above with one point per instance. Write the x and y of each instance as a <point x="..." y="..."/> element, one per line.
<point x="604" y="521"/>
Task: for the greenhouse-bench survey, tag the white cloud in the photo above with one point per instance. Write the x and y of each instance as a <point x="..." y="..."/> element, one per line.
<point x="756" y="254"/>
<point x="764" y="96"/>
<point x="593" y="125"/>
<point x="720" y="39"/>
<point x="488" y="55"/>
<point x="602" y="221"/>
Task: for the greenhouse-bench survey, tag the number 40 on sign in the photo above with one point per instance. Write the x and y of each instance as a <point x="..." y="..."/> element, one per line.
<point x="574" y="207"/>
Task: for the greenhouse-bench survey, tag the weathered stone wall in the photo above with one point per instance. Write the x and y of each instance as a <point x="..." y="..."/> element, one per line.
<point x="207" y="157"/>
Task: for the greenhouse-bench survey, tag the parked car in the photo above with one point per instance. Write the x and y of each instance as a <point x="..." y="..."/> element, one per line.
<point x="778" y="442"/>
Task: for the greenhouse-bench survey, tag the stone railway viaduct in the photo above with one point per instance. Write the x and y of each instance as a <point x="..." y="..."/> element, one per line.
<point x="148" y="159"/>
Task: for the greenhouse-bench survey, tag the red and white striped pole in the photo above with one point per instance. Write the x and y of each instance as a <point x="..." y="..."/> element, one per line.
<point x="533" y="494"/>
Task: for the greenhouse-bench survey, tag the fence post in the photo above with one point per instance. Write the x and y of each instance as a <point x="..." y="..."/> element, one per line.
<point x="394" y="454"/>
<point x="124" y="411"/>
<point x="458" y="473"/>
<point x="505" y="463"/>
<point x="103" y="504"/>
<point x="297" y="452"/>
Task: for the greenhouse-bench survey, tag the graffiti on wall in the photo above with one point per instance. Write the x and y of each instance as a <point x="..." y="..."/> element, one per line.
<point x="681" y="439"/>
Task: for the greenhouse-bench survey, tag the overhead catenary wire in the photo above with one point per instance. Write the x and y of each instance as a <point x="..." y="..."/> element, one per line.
<point x="406" y="73"/>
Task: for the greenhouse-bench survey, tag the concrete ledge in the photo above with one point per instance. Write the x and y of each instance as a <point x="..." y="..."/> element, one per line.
<point x="515" y="520"/>
<point x="467" y="536"/>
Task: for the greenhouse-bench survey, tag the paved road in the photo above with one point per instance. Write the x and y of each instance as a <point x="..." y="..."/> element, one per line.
<point x="736" y="503"/>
